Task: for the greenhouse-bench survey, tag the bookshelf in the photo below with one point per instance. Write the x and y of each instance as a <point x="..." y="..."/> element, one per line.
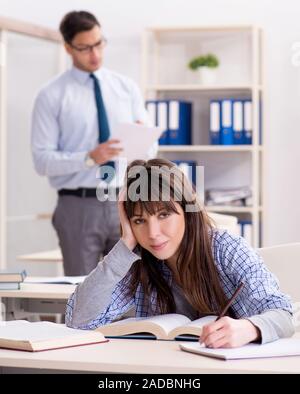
<point x="166" y="52"/>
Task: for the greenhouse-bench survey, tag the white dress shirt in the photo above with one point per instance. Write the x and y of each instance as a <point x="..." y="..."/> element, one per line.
<point x="65" y="124"/>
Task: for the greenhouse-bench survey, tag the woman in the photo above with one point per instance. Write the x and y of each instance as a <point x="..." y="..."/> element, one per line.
<point x="170" y="259"/>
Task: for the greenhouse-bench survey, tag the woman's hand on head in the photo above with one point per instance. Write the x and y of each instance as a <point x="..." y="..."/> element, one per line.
<point x="229" y="333"/>
<point x="127" y="235"/>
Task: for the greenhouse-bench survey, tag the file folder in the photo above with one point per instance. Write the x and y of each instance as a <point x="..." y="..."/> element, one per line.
<point x="215" y="122"/>
<point x="248" y="122"/>
<point x="188" y="167"/>
<point x="227" y="122"/>
<point x="174" y="117"/>
<point x="180" y="122"/>
<point x="158" y="116"/>
<point x="238" y="134"/>
<point x="162" y="121"/>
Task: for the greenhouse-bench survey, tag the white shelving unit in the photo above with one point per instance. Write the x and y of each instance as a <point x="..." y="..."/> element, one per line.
<point x="165" y="75"/>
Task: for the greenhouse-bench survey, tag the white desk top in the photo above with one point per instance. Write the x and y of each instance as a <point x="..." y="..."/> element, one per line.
<point x="141" y="356"/>
<point x="47" y="256"/>
<point x="38" y="290"/>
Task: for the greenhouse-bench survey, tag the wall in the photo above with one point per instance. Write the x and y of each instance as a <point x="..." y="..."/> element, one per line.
<point x="124" y="21"/>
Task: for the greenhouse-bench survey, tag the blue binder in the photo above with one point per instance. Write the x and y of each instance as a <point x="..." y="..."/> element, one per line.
<point x="248" y="127"/>
<point x="158" y="114"/>
<point x="215" y="122"/>
<point x="238" y="124"/>
<point x="188" y="167"/>
<point x="227" y="122"/>
<point x="180" y="122"/>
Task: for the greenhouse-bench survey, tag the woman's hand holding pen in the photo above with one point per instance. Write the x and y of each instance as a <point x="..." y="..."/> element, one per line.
<point x="228" y="333"/>
<point x="127" y="235"/>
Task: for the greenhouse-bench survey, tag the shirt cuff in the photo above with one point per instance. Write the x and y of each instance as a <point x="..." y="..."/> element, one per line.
<point x="273" y="324"/>
<point x="80" y="158"/>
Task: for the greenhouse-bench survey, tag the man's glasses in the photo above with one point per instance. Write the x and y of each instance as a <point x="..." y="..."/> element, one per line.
<point x="89" y="48"/>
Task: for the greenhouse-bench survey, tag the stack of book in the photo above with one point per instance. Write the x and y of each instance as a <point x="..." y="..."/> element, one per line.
<point x="11" y="280"/>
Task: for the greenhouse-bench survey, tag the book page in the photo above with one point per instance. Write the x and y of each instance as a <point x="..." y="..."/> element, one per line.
<point x="159" y="325"/>
<point x="22" y="330"/>
<point x="193" y="327"/>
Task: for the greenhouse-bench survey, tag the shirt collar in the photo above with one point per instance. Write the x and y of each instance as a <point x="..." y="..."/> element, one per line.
<point x="83" y="76"/>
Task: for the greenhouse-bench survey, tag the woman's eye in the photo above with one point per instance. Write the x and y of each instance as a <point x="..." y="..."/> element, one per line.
<point x="138" y="221"/>
<point x="164" y="215"/>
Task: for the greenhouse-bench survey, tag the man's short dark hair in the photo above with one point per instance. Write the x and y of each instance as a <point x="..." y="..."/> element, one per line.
<point x="75" y="22"/>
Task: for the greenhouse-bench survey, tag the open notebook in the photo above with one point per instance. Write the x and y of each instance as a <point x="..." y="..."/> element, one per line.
<point x="38" y="336"/>
<point x="169" y="326"/>
<point x="280" y="348"/>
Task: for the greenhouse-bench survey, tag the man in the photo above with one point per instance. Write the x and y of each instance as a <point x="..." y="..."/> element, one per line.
<point x="72" y="121"/>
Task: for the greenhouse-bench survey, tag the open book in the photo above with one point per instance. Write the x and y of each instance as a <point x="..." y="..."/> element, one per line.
<point x="170" y="326"/>
<point x="38" y="336"/>
<point x="280" y="348"/>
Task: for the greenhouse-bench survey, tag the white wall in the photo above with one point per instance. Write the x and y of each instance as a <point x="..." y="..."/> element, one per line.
<point x="124" y="21"/>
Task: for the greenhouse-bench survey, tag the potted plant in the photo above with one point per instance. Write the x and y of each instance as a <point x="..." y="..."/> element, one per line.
<point x="206" y="66"/>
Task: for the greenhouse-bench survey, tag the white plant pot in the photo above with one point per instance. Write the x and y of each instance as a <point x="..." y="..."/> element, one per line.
<point x="207" y="75"/>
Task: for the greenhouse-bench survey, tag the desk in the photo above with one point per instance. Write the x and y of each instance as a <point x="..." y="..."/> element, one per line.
<point x="35" y="298"/>
<point x="140" y="356"/>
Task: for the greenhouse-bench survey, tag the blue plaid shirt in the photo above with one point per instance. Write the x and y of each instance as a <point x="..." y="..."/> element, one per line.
<point x="236" y="262"/>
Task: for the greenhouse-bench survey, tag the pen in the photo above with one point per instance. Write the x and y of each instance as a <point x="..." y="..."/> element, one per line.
<point x="235" y="294"/>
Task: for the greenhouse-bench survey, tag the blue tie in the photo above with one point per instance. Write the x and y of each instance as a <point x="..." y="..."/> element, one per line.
<point x="103" y="125"/>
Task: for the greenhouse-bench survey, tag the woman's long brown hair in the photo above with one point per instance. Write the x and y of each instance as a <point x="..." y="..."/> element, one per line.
<point x="198" y="274"/>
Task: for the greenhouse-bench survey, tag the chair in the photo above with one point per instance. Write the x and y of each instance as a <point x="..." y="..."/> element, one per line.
<point x="284" y="262"/>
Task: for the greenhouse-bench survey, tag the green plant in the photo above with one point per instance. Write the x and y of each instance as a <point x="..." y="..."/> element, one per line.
<point x="208" y="60"/>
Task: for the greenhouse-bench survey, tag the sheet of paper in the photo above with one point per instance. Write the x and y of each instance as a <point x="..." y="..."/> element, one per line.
<point x="136" y="140"/>
<point x="279" y="348"/>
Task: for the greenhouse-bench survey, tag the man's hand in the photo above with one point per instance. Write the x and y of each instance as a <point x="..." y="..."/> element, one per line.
<point x="105" y="152"/>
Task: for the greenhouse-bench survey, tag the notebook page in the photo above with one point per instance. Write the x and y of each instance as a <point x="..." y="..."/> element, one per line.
<point x="279" y="348"/>
<point x="170" y="321"/>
